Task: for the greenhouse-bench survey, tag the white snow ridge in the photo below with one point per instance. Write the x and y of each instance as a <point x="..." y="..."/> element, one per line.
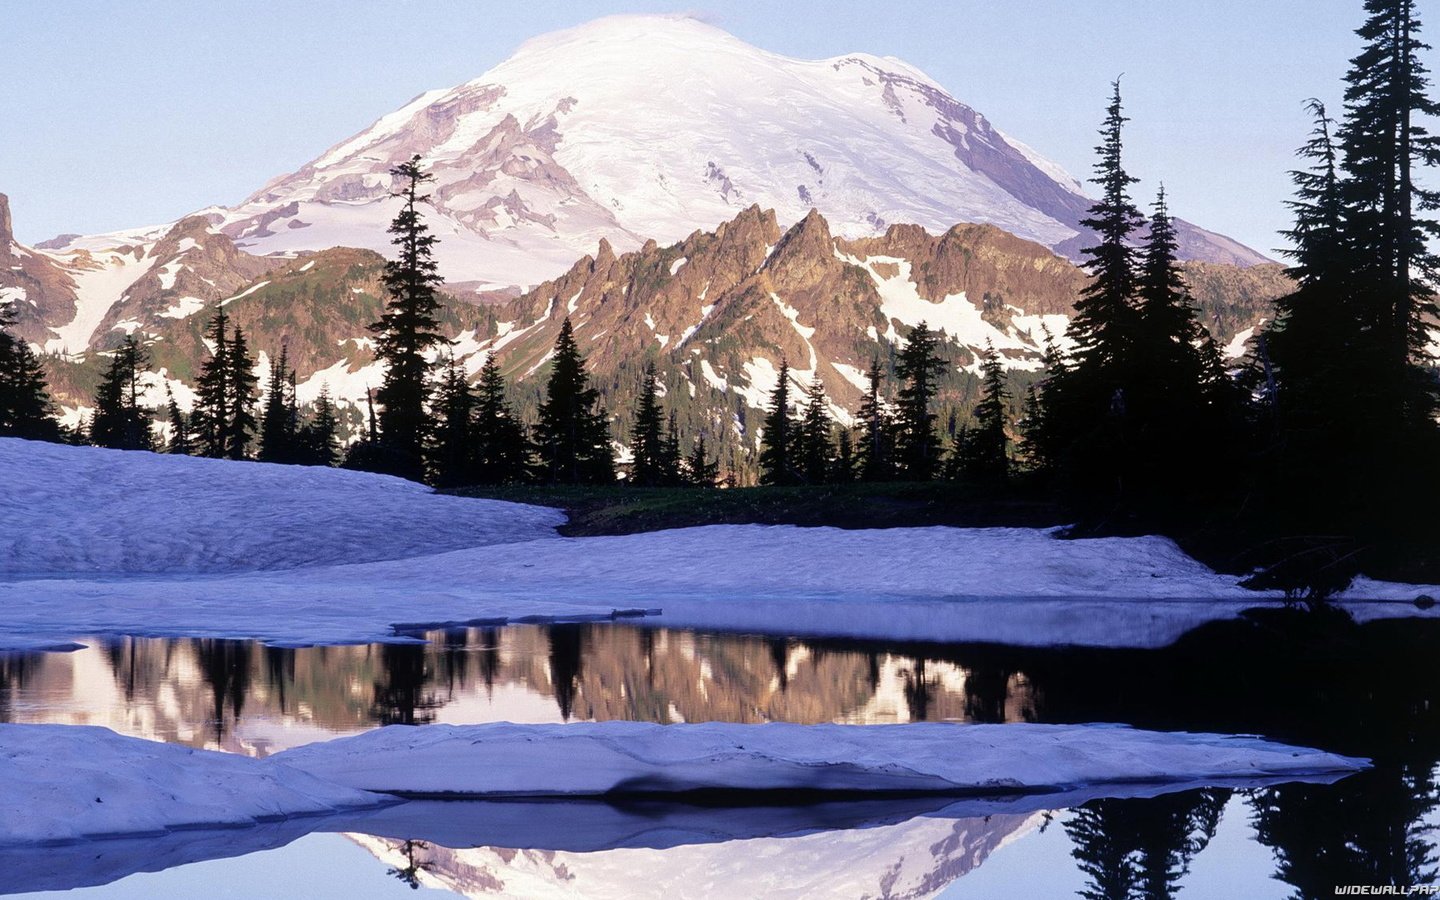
<point x="613" y="758"/>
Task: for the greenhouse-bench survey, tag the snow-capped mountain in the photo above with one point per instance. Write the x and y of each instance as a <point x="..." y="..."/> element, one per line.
<point x="647" y="127"/>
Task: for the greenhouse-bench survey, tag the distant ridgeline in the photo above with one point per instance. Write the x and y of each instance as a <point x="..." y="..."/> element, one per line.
<point x="1280" y="419"/>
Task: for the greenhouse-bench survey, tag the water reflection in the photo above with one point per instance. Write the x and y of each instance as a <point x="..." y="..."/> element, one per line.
<point x="1368" y="691"/>
<point x="243" y="697"/>
<point x="1142" y="848"/>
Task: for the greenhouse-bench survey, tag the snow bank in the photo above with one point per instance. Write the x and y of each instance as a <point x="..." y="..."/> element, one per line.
<point x="70" y="782"/>
<point x="85" y="510"/>
<point x="102" y="542"/>
<point x="616" y="758"/>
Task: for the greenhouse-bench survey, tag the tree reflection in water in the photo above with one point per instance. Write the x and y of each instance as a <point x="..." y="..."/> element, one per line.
<point x="402" y="690"/>
<point x="226" y="668"/>
<point x="1141" y="849"/>
<point x="1367" y="829"/>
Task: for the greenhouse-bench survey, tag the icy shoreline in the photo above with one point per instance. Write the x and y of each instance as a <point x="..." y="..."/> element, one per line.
<point x="294" y="556"/>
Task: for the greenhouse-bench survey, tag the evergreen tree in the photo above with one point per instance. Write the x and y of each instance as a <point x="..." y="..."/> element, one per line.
<point x="699" y="470"/>
<point x="843" y="471"/>
<point x="319" y="437"/>
<point x="1032" y="444"/>
<point x="502" y="453"/>
<point x="240" y="419"/>
<point x="1179" y="390"/>
<point x="917" y="445"/>
<point x="671" y="457"/>
<point x="452" y="452"/>
<point x="779" y="443"/>
<point x="572" y="433"/>
<point x="816" y="450"/>
<point x="647" y="439"/>
<point x="985" y="454"/>
<point x="1383" y="144"/>
<point x="407" y="330"/>
<point x="1087" y="402"/>
<point x="25" y="404"/>
<point x="877" y="431"/>
<point x="120" y="421"/>
<point x="213" y="387"/>
<point x="1105" y="323"/>
<point x="1168" y="330"/>
<point x="280" y="422"/>
<point x="179" y="442"/>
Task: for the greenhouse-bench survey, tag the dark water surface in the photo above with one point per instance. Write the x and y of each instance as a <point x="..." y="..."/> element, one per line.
<point x="1370" y="691"/>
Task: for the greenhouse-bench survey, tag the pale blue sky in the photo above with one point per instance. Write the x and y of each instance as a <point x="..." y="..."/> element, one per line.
<point x="120" y="114"/>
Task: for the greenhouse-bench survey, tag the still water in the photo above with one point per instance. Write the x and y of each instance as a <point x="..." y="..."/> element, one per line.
<point x="1368" y="691"/>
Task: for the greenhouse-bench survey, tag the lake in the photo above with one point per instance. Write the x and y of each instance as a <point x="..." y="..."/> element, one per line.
<point x="1362" y="690"/>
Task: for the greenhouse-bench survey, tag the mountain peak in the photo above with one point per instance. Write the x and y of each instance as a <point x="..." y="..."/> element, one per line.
<point x="578" y="137"/>
<point x="626" y="29"/>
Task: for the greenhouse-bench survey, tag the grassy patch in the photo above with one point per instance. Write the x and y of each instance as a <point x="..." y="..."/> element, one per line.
<point x="627" y="510"/>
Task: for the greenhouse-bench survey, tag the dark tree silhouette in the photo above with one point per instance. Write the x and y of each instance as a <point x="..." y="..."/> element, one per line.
<point x="817" y="452"/>
<point x="407" y="330"/>
<point x="280" y="421"/>
<point x="876" y="451"/>
<point x="121" y="422"/>
<point x="572" y="434"/>
<point x="25" y="404"/>
<point x="452" y="444"/>
<point x="502" y="451"/>
<point x="986" y="454"/>
<point x="917" y="445"/>
<point x="779" y="442"/>
<point x="647" y="437"/>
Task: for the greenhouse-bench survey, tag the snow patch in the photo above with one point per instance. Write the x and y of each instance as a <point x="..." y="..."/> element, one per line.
<point x="605" y="758"/>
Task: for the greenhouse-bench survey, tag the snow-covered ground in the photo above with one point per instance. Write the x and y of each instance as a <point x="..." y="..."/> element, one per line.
<point x="103" y="542"/>
<point x="69" y="510"/>
<point x="609" y="758"/>
<point x="70" y="783"/>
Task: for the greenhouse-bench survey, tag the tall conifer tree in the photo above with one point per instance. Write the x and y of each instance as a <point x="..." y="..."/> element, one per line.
<point x="25" y="404"/>
<point x="917" y="445"/>
<point x="240" y="422"/>
<point x="280" y="421"/>
<point x="817" y="452"/>
<point x="647" y="437"/>
<point x="572" y="434"/>
<point x="502" y="451"/>
<point x="985" y="454"/>
<point x="779" y="444"/>
<point x="319" y="437"/>
<point x="179" y="441"/>
<point x="407" y="329"/>
<point x="1087" y="403"/>
<point x="120" y="421"/>
<point x="213" y="391"/>
<point x="876" y="452"/>
<point x="452" y="451"/>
